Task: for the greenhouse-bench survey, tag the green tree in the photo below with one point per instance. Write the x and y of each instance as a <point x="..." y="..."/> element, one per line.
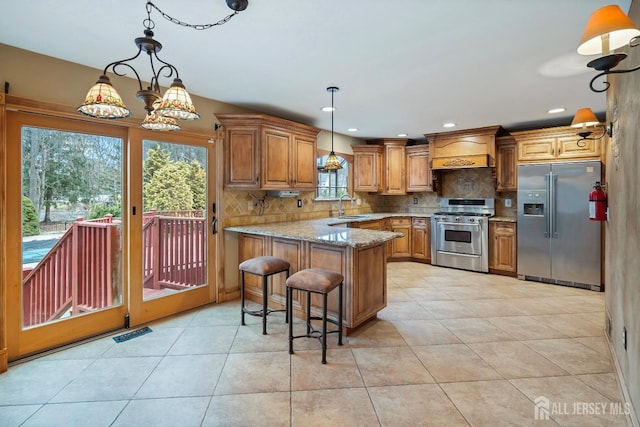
<point x="169" y="188"/>
<point x="30" y="224"/>
<point x="198" y="184"/>
<point x="69" y="166"/>
<point x="100" y="210"/>
<point x="157" y="158"/>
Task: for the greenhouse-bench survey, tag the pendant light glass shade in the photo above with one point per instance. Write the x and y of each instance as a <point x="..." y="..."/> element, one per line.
<point x="154" y="121"/>
<point x="609" y="28"/>
<point x="104" y="102"/>
<point x="332" y="163"/>
<point x="584" y="117"/>
<point x="176" y="103"/>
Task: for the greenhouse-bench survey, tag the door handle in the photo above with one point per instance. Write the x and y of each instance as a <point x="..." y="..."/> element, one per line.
<point x="214" y="226"/>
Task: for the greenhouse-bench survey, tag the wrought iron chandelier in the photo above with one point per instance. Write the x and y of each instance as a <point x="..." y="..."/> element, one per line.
<point x="332" y="163"/>
<point x="103" y="100"/>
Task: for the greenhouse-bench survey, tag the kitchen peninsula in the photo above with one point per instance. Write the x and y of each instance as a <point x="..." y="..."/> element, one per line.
<point x="358" y="254"/>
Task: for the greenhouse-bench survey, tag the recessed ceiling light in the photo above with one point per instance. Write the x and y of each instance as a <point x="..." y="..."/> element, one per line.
<point x="556" y="110"/>
<point x="403" y="134"/>
<point x="328" y="109"/>
<point x="352" y="130"/>
<point x="449" y="125"/>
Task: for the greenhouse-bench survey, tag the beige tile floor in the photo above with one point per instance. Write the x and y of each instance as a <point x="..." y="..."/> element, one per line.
<point x="451" y="348"/>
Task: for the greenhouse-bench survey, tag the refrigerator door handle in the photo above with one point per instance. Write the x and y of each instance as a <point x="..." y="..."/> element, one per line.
<point x="554" y="216"/>
<point x="547" y="211"/>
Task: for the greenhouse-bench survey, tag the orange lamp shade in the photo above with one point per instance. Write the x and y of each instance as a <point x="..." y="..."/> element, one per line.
<point x="608" y="29"/>
<point x="584" y="117"/>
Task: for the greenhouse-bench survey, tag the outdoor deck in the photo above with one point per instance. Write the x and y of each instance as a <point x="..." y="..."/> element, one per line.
<point x="81" y="271"/>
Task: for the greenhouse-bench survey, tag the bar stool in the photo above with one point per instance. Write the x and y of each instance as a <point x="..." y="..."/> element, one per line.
<point x="317" y="281"/>
<point x="263" y="266"/>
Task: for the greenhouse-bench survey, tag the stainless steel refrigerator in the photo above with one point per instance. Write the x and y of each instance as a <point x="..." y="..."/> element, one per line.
<point x="557" y="243"/>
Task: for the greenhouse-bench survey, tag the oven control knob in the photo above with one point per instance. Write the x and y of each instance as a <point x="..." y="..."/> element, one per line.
<point x="458" y="219"/>
<point x="472" y="220"/>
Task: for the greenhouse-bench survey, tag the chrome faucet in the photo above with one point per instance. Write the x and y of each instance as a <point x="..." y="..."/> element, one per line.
<point x="340" y="210"/>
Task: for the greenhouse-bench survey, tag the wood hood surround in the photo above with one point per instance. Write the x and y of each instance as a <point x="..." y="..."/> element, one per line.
<point x="469" y="148"/>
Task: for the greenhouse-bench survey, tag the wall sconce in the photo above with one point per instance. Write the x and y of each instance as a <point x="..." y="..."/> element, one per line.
<point x="608" y="29"/>
<point x="585" y="118"/>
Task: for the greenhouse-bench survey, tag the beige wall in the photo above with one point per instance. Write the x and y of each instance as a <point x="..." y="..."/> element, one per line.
<point x="48" y="79"/>
<point x="622" y="267"/>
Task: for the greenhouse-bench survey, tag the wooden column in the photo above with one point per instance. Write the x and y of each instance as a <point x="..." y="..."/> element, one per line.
<point x="4" y="355"/>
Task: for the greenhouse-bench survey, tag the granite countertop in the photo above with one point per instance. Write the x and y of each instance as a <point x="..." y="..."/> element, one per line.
<point x="335" y="230"/>
<point x="332" y="231"/>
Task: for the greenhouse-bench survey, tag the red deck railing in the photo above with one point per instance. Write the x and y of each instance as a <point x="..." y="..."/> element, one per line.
<point x="77" y="274"/>
<point x="174" y="252"/>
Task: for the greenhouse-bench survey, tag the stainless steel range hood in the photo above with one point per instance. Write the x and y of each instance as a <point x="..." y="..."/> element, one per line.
<point x="283" y="193"/>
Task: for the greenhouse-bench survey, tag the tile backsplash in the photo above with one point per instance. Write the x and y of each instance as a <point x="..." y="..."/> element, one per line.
<point x="257" y="207"/>
<point x="478" y="182"/>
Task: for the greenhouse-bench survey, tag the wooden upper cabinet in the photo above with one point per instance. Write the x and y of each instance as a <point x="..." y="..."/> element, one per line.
<point x="568" y="148"/>
<point x="268" y="153"/>
<point x="304" y="171"/>
<point x="276" y="159"/>
<point x="506" y="164"/>
<point x="419" y="177"/>
<point x="242" y="158"/>
<point x="367" y="168"/>
<point x="395" y="168"/>
<point x="380" y="166"/>
<point x="555" y="144"/>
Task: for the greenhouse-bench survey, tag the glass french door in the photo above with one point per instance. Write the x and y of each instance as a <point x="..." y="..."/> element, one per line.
<point x="106" y="226"/>
<point x="173" y="224"/>
<point x="65" y="231"/>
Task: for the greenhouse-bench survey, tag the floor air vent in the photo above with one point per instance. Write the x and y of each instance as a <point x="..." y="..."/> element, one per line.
<point x="133" y="334"/>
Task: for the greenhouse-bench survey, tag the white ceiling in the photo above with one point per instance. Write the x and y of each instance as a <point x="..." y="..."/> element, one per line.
<point x="403" y="66"/>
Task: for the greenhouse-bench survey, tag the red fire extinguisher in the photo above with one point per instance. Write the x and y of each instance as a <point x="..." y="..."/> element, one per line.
<point x="597" y="203"/>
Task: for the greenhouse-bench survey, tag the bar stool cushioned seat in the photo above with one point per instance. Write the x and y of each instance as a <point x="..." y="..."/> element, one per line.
<point x="318" y="281"/>
<point x="264" y="266"/>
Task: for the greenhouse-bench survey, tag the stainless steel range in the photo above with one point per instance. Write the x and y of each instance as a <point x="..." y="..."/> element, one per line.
<point x="460" y="233"/>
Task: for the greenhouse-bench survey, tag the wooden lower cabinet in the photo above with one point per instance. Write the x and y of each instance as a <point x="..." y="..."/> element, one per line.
<point x="364" y="270"/>
<point x="502" y="248"/>
<point x="291" y="250"/>
<point x="421" y="239"/>
<point x="252" y="246"/>
<point x="401" y="245"/>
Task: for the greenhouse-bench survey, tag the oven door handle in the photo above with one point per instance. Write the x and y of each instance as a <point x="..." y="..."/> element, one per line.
<point x="476" y="225"/>
<point x="460" y="254"/>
